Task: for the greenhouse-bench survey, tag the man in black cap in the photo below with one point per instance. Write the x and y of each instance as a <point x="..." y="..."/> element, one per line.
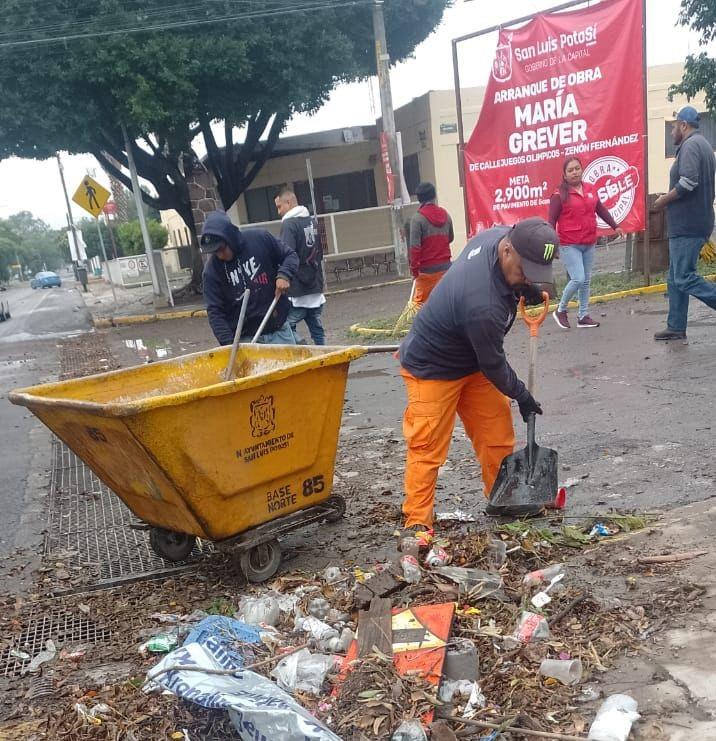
<point x="689" y="208"/>
<point x="453" y="360"/>
<point x="253" y="259"/>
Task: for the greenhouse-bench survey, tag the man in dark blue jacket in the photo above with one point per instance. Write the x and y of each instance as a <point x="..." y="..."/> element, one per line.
<point x="453" y="361"/>
<point x="252" y="259"/>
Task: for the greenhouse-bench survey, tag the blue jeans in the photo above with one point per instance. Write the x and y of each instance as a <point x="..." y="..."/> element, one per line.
<point x="578" y="261"/>
<point x="282" y="336"/>
<point x="312" y="317"/>
<point x="683" y="280"/>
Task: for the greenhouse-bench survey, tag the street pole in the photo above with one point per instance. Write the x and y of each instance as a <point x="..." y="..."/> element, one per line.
<point x="111" y="235"/>
<point x="106" y="262"/>
<point x="69" y="210"/>
<point x="386" y="107"/>
<point x="158" y="298"/>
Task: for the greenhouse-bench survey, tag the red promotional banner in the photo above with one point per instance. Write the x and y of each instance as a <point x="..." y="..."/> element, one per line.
<point x="564" y="84"/>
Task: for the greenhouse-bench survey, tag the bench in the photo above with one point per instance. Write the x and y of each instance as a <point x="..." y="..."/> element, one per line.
<point x="358" y="261"/>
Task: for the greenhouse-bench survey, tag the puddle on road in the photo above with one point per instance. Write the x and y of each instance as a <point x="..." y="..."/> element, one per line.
<point x="150" y="350"/>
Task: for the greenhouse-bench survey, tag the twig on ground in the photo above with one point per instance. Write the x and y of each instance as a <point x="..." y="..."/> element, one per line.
<point x="672" y="557"/>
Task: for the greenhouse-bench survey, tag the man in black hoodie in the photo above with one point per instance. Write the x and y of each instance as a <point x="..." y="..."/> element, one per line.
<point x="252" y="259"/>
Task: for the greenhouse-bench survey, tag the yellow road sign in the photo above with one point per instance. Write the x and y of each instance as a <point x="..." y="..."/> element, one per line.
<point x="91" y="196"/>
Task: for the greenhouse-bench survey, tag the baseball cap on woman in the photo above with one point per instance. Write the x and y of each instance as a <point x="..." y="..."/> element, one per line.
<point x="537" y="244"/>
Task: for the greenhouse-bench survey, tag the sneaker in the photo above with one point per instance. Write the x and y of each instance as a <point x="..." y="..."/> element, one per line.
<point x="586" y="321"/>
<point x="561" y="318"/>
<point x="670" y="334"/>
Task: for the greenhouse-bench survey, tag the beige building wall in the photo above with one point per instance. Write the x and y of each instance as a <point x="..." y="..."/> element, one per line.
<point x="660" y="111"/>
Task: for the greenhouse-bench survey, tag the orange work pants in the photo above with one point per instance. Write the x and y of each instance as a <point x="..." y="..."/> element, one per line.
<point x="428" y="424"/>
<point x="424" y="284"/>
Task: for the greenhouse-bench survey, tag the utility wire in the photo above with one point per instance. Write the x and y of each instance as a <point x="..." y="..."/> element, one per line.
<point x="182" y="24"/>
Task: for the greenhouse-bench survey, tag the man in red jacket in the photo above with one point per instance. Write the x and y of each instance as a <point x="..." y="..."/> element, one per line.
<point x="430" y="236"/>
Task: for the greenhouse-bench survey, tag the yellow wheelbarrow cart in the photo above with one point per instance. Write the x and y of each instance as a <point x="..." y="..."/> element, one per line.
<point x="236" y="462"/>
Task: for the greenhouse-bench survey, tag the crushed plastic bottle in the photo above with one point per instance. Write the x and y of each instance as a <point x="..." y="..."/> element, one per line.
<point x="162" y="643"/>
<point x="531" y="627"/>
<point x="437" y="556"/>
<point x="303" y="671"/>
<point x="474" y="583"/>
<point x="411" y="569"/>
<point x="542" y="575"/>
<point x="319" y="608"/>
<point x="614" y="719"/>
<point x="259" y="610"/>
<point x="317" y="629"/>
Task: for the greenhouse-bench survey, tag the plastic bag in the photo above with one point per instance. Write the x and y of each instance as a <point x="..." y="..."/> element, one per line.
<point x="614" y="719"/>
<point x="474" y="583"/>
<point x="228" y="633"/>
<point x="259" y="610"/>
<point x="257" y="707"/>
<point x="409" y="730"/>
<point x="531" y="627"/>
<point x="303" y="671"/>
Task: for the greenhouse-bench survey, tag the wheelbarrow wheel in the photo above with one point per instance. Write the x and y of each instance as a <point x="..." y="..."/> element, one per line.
<point x="261" y="562"/>
<point x="170" y="545"/>
<point x="338" y="505"/>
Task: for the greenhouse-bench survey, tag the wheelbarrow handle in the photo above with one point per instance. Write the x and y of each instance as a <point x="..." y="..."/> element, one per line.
<point x="534" y="322"/>
<point x="229" y="372"/>
<point x="265" y="319"/>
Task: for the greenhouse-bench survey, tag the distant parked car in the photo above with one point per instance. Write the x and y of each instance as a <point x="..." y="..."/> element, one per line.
<point x="46" y="279"/>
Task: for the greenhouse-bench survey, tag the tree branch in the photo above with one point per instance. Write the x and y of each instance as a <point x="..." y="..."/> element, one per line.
<point x="276" y="129"/>
<point x="214" y="156"/>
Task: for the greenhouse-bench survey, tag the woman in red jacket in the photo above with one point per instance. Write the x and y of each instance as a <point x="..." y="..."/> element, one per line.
<point x="573" y="212"/>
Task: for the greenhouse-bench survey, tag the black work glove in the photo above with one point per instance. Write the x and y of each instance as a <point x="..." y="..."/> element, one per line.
<point x="532" y="294"/>
<point x="528" y="405"/>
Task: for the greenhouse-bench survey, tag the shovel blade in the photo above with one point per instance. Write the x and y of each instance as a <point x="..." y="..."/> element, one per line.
<point x="520" y="489"/>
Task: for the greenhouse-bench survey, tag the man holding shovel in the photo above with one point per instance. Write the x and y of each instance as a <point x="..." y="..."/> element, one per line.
<point x="453" y="360"/>
<point x="251" y="259"/>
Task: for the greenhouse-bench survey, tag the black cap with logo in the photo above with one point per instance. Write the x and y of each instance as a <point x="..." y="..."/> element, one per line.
<point x="536" y="242"/>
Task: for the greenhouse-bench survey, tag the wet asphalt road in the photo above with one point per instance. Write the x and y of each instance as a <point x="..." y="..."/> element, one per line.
<point x="630" y="418"/>
<point x="28" y="355"/>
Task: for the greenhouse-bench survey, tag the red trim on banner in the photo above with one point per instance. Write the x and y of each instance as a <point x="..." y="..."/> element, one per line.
<point x="564" y="84"/>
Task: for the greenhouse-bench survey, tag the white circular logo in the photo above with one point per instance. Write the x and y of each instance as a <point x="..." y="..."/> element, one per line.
<point x="615" y="182"/>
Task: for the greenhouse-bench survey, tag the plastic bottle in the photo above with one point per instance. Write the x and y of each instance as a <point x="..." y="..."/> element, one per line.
<point x="542" y="575"/>
<point x="411" y="569"/>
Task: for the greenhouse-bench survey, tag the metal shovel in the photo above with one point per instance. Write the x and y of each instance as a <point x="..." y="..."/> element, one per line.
<point x="527" y="480"/>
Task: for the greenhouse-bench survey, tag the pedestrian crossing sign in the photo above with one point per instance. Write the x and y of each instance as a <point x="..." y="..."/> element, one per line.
<point x="91" y="196"/>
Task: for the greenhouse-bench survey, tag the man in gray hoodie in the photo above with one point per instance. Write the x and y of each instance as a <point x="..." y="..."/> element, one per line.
<point x="299" y="231"/>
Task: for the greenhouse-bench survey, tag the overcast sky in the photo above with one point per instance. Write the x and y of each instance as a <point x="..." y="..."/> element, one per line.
<point x="35" y="186"/>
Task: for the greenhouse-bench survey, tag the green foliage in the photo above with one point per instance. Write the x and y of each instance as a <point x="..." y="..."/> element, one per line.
<point x="129" y="236"/>
<point x="699" y="69"/>
<point x="169" y="85"/>
<point x="31" y="241"/>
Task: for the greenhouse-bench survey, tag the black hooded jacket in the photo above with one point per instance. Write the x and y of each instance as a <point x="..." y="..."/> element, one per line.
<point x="259" y="258"/>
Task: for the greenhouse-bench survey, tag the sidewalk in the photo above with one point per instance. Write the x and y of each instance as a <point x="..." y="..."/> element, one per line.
<point x="673" y="675"/>
<point x="138" y="302"/>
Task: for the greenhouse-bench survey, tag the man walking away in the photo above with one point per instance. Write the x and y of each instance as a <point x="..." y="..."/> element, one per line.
<point x="453" y="360"/>
<point x="299" y="231"/>
<point x="253" y="259"/>
<point x="690" y="220"/>
<point x="431" y="233"/>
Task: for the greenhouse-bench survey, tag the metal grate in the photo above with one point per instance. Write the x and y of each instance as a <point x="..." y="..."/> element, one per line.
<point x="90" y="527"/>
<point x="57" y="625"/>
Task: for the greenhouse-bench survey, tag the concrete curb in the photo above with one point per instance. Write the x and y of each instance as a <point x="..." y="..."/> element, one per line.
<point x="645" y="290"/>
<point x="123" y="321"/>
